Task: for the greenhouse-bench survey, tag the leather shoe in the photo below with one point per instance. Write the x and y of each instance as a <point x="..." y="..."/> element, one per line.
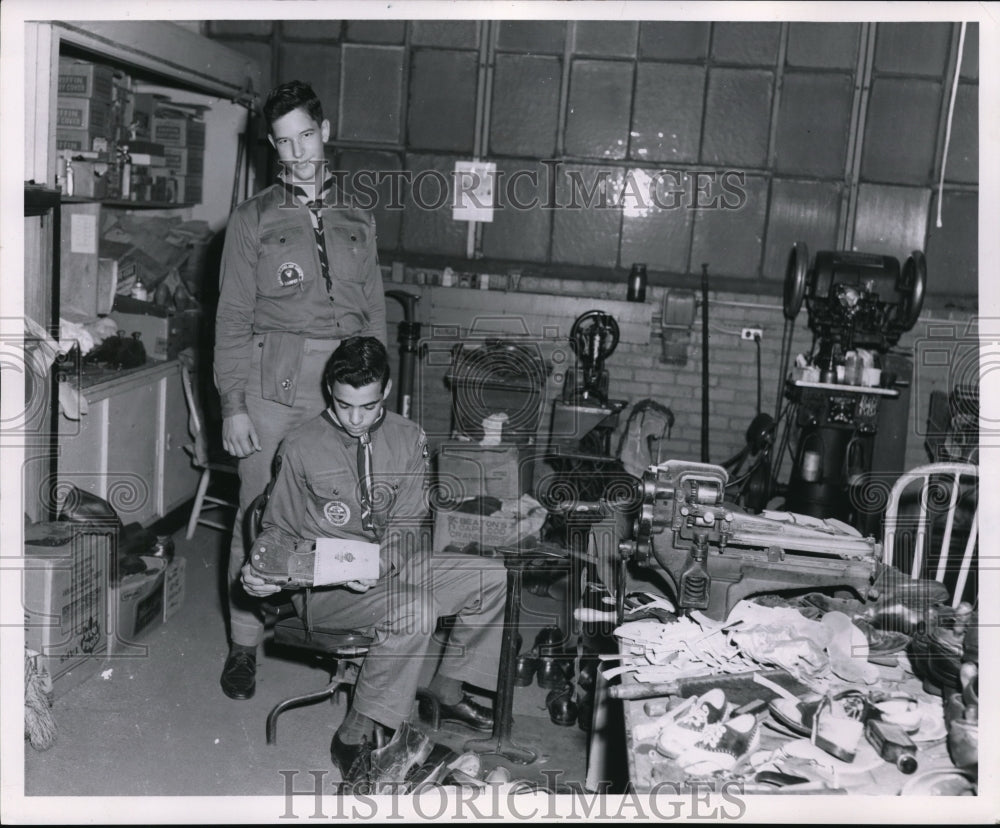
<point x="551" y="673"/>
<point x="524" y="669"/>
<point x="239" y="675"/>
<point x="562" y="709"/>
<point x="549" y="641"/>
<point x="465" y="712"/>
<point x="353" y="761"/>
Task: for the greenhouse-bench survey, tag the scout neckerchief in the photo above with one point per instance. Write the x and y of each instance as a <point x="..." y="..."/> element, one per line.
<point x="316" y="217"/>
<point x="365" y="470"/>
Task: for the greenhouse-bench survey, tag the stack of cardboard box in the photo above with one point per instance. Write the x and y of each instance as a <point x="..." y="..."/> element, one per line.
<point x="183" y="138"/>
<point x="83" y="110"/>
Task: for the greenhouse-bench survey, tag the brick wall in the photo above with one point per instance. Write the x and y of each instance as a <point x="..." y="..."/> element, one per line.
<point x="543" y="310"/>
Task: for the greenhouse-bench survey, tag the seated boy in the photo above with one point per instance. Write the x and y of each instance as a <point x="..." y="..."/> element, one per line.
<point x="359" y="472"/>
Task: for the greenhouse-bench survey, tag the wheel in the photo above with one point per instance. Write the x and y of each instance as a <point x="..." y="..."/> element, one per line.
<point x="912" y="282"/>
<point x="796" y="274"/>
<point x="583" y="327"/>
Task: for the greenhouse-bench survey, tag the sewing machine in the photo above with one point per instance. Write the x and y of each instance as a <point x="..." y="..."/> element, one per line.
<point x="715" y="554"/>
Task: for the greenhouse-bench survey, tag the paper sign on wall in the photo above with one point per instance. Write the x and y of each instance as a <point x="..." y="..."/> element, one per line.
<point x="83" y="233"/>
<point x="473" y="191"/>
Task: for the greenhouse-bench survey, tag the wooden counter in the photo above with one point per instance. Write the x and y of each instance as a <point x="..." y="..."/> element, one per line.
<point x="129" y="447"/>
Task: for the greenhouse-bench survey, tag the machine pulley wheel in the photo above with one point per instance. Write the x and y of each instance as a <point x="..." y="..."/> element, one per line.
<point x="796" y="276"/>
<point x="591" y="319"/>
<point x="912" y="281"/>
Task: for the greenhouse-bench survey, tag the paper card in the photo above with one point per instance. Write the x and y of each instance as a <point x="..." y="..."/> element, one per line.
<point x="339" y="561"/>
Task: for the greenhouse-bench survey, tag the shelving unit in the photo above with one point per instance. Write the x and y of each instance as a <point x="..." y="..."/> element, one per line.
<point x="129" y="447"/>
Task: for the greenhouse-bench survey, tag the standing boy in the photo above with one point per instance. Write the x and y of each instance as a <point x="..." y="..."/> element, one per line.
<point x="299" y="274"/>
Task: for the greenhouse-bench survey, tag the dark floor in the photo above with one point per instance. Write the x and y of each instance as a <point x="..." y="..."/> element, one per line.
<point x="158" y="724"/>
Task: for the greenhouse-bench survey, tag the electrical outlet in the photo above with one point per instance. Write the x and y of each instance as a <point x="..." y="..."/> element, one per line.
<point x="752" y="333"/>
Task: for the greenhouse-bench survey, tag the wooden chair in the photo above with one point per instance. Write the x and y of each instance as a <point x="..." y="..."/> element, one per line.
<point x="209" y="460"/>
<point x="944" y="490"/>
<point x="341" y="651"/>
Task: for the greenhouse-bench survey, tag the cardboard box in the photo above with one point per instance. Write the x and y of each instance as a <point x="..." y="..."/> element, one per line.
<point x="136" y="606"/>
<point x="84" y="113"/>
<point x="460" y="529"/>
<point x="467" y="470"/>
<point x="174" y="586"/>
<point x="185" y="160"/>
<point x="90" y="179"/>
<point x="178" y="132"/>
<point x="186" y="189"/>
<point x="82" y="79"/>
<point x="143" y="110"/>
<point x="65" y="598"/>
<point x="76" y="139"/>
<point x="162" y="332"/>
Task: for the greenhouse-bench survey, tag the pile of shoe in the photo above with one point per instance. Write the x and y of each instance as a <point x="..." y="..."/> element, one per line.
<point x="936" y="649"/>
<point x="548" y="662"/>
<point x="962" y="707"/>
<point x="703" y="736"/>
<point x="407" y="762"/>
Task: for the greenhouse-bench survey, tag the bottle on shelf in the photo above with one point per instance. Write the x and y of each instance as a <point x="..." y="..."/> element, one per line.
<point x="139" y="291"/>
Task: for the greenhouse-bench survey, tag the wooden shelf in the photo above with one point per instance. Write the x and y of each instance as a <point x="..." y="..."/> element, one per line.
<point x="134" y="205"/>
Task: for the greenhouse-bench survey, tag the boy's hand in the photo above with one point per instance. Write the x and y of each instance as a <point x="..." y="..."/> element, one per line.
<point x="239" y="437"/>
<point x="361" y="586"/>
<point x="255" y="585"/>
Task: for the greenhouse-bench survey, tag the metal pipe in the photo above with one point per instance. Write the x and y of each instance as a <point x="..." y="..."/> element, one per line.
<point x="408" y="338"/>
<point x="704" y="363"/>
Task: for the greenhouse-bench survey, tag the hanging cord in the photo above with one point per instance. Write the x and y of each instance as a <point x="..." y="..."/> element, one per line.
<point x="756" y="340"/>
<point x="786" y="347"/>
<point x="951" y="115"/>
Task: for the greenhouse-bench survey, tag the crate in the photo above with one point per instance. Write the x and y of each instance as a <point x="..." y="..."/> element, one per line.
<point x="82" y="79"/>
<point x="65" y="598"/>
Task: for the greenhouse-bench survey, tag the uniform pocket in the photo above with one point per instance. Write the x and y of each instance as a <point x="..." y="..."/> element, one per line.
<point x="336" y="497"/>
<point x="347" y="246"/>
<point x="285" y="261"/>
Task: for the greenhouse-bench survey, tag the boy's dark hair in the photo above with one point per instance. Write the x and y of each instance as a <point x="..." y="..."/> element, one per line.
<point x="292" y="95"/>
<point x="359" y="361"/>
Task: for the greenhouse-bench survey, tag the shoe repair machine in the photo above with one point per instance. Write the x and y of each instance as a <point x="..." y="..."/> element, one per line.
<point x="716" y="554"/>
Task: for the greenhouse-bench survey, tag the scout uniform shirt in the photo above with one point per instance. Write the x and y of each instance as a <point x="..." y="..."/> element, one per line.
<point x="319" y="490"/>
<point x="279" y="281"/>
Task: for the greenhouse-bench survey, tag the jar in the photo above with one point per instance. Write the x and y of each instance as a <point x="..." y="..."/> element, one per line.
<point x="853" y="368"/>
<point x="637" y="283"/>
